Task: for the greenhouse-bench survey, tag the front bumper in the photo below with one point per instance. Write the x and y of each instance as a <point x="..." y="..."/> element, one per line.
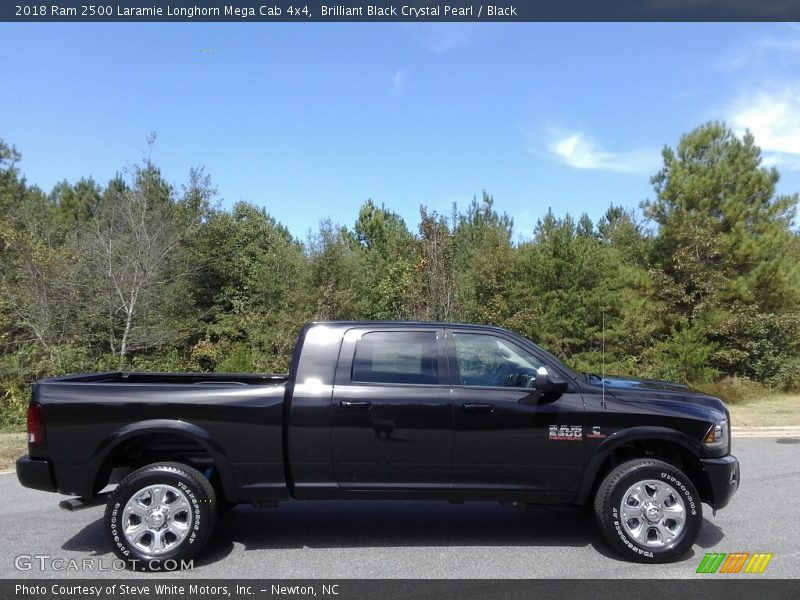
<point x="36" y="473"/>
<point x="723" y="479"/>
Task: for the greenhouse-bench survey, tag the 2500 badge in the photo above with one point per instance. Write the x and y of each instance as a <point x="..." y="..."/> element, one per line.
<point x="565" y="433"/>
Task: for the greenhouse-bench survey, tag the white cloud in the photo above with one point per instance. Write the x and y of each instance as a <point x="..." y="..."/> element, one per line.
<point x="774" y="119"/>
<point x="580" y="151"/>
<point x="768" y="101"/>
<point x="443" y="37"/>
<point x="790" y="45"/>
<point x="399" y="82"/>
<point x="776" y="53"/>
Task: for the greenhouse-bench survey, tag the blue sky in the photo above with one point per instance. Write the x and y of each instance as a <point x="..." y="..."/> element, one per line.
<point x="310" y="120"/>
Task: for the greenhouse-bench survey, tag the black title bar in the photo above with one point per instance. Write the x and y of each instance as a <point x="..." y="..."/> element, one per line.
<point x="402" y="10"/>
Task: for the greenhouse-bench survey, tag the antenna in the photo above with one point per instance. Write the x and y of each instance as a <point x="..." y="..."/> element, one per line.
<point x="603" y="373"/>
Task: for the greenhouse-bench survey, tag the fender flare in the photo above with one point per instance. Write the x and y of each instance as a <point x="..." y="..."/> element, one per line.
<point x="617" y="439"/>
<point x="183" y="428"/>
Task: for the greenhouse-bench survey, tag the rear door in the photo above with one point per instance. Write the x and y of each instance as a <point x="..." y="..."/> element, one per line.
<point x="509" y="436"/>
<point x="392" y="417"/>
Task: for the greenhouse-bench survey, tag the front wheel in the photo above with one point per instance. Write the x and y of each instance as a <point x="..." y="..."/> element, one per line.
<point x="161" y="516"/>
<point x="648" y="510"/>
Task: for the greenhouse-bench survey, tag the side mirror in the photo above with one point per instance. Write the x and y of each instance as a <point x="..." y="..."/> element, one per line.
<point x="550" y="382"/>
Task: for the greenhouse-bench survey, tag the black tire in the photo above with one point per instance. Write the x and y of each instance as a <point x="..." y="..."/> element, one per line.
<point x="183" y="486"/>
<point x="608" y="507"/>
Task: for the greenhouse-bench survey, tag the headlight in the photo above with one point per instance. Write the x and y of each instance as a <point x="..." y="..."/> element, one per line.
<point x="717" y="436"/>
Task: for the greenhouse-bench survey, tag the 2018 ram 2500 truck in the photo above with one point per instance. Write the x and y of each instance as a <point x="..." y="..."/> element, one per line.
<point x="382" y="410"/>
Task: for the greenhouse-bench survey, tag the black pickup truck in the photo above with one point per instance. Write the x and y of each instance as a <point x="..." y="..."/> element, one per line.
<point x="382" y="410"/>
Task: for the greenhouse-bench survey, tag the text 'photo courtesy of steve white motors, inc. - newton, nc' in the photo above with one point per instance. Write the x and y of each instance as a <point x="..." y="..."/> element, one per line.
<point x="68" y="590"/>
<point x="270" y="10"/>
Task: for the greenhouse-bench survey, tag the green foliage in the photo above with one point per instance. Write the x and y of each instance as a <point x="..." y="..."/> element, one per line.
<point x="239" y="360"/>
<point x="725" y="256"/>
<point x="435" y="259"/>
<point x="484" y="263"/>
<point x="736" y="390"/>
<point x="251" y="285"/>
<point x="761" y="346"/>
<point x="682" y="357"/>
<point x="387" y="252"/>
<point x="13" y="405"/>
<point x="139" y="274"/>
<point x="167" y="360"/>
<point x="337" y="274"/>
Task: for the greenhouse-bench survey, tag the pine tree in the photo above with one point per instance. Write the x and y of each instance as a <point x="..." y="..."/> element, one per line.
<point x="723" y="248"/>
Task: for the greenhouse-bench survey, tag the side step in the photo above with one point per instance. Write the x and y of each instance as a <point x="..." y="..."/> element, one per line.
<point x="74" y="504"/>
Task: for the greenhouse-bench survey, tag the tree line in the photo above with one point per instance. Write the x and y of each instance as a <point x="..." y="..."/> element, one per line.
<point x="140" y="275"/>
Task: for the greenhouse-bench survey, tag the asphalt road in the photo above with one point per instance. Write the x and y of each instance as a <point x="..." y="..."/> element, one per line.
<point x="426" y="539"/>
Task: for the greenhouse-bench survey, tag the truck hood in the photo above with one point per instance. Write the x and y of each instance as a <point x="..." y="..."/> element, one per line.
<point x="660" y="392"/>
<point x="630" y="383"/>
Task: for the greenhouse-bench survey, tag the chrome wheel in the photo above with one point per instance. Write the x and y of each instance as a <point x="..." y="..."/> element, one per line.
<point x="157" y="519"/>
<point x="653" y="513"/>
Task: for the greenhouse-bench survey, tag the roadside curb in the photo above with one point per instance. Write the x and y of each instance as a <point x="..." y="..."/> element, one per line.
<point x="765" y="432"/>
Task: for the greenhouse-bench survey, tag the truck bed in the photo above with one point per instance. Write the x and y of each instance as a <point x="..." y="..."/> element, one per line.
<point x="234" y="419"/>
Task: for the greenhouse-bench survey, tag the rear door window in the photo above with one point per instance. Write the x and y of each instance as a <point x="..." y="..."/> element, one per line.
<point x="405" y="357"/>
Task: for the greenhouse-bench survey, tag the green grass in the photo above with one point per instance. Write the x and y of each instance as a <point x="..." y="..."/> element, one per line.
<point x="737" y="390"/>
<point x="753" y="405"/>
<point x="775" y="410"/>
<point x="12" y="446"/>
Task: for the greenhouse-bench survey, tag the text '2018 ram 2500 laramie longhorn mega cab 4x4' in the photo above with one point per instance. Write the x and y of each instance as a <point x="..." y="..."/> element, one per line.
<point x="482" y="414"/>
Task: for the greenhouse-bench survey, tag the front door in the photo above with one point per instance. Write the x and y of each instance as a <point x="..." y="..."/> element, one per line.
<point x="392" y="417"/>
<point x="510" y="437"/>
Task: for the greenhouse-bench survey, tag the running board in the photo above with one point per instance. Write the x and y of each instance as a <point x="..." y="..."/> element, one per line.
<point x="74" y="504"/>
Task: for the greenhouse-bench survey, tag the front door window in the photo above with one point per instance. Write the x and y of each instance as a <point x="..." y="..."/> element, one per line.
<point x="492" y="361"/>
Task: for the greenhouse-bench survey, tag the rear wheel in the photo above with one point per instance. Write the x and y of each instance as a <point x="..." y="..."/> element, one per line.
<point x="648" y="510"/>
<point x="160" y="515"/>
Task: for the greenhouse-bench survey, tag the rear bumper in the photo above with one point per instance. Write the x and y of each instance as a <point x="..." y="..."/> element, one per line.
<point x="723" y="479"/>
<point x="36" y="473"/>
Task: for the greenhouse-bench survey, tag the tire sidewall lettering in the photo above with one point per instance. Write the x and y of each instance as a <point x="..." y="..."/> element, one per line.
<point x="675" y="482"/>
<point x="196" y="513"/>
<point x="115" y="534"/>
<point x="621" y="533"/>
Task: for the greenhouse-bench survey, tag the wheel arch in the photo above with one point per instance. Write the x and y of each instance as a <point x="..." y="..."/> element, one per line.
<point x="138" y="436"/>
<point x="663" y="443"/>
